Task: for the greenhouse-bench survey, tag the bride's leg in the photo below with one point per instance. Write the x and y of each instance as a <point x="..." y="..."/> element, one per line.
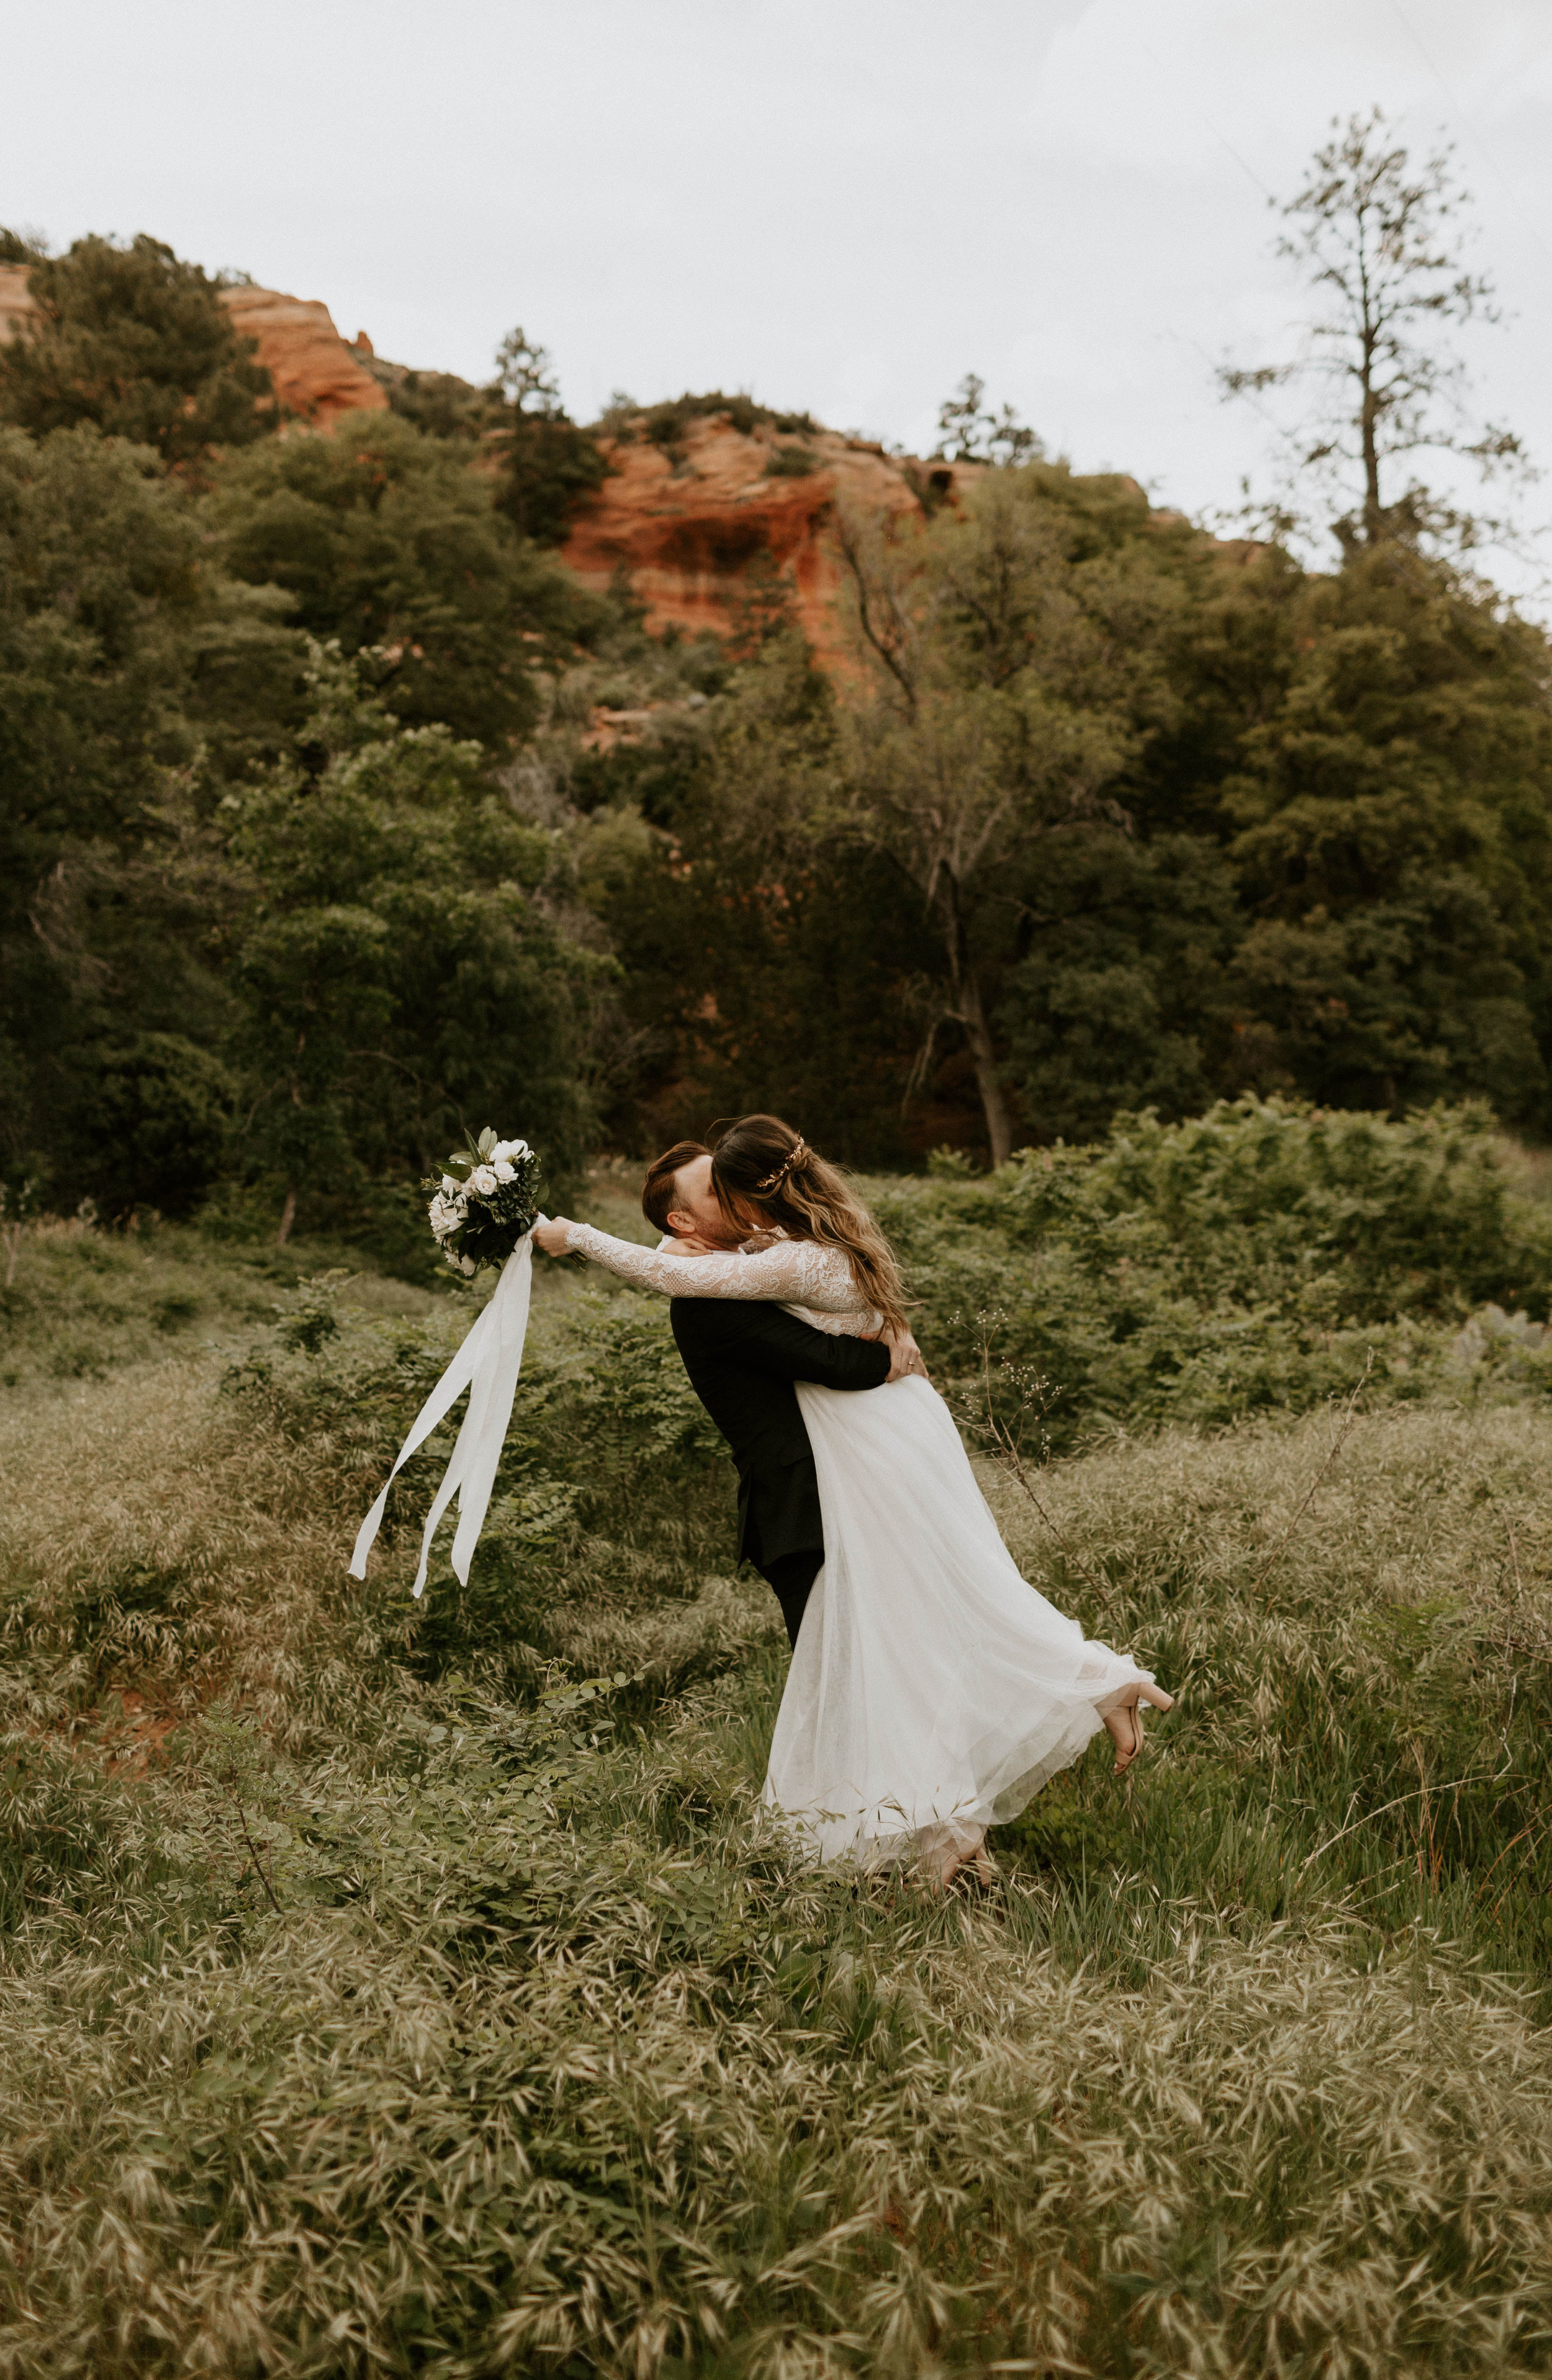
<point x="1124" y="1721"/>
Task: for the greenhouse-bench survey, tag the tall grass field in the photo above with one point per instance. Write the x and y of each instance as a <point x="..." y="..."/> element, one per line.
<point x="417" y="1989"/>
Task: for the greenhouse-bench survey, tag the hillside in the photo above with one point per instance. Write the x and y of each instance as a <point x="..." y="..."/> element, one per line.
<point x="690" y="506"/>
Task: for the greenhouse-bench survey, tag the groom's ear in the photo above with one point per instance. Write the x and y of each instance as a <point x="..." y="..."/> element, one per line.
<point x="681" y="1225"/>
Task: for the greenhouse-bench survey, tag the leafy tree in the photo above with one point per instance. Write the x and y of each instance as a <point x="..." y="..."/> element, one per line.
<point x="1121" y="998"/>
<point x="1393" y="809"/>
<point x="385" y="540"/>
<point x="970" y="432"/>
<point x="1017" y="663"/>
<point x="763" y="963"/>
<point x="1370" y="750"/>
<point x="401" y="976"/>
<point x="548" y="464"/>
<point x="99" y="573"/>
<point x="20" y="247"/>
<point x="1376" y="239"/>
<point x="137" y="342"/>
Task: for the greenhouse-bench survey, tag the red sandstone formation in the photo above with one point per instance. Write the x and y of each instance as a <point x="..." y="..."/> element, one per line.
<point x="702" y="529"/>
<point x="317" y="376"/>
<point x="688" y="524"/>
<point x="15" y="301"/>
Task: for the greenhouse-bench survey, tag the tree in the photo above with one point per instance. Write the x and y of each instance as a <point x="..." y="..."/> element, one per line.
<point x="385" y="540"/>
<point x="401" y="976"/>
<point x="765" y="962"/>
<point x="137" y="342"/>
<point x="968" y="432"/>
<point x="99" y="580"/>
<point x="548" y="464"/>
<point x="1377" y="241"/>
<point x="1014" y="653"/>
<point x="1121" y="998"/>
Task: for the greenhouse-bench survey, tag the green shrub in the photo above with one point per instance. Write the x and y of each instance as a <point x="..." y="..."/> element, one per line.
<point x="1246" y="1259"/>
<point x="792" y="463"/>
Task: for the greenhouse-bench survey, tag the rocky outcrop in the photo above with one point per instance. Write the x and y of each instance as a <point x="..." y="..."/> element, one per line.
<point x="723" y="518"/>
<point x="713" y="518"/>
<point x="317" y="377"/>
<point x="16" y="305"/>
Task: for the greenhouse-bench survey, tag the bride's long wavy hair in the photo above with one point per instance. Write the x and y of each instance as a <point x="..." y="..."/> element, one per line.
<point x="760" y="1165"/>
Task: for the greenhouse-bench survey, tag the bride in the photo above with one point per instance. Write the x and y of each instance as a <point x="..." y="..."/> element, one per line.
<point x="932" y="1691"/>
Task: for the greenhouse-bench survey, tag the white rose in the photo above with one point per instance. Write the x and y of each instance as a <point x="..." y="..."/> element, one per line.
<point x="449" y="1186"/>
<point x="482" y="1179"/>
<point x="467" y="1263"/>
<point x="503" y="1172"/>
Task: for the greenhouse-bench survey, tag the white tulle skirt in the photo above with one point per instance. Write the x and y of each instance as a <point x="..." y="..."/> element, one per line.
<point x="932" y="1691"/>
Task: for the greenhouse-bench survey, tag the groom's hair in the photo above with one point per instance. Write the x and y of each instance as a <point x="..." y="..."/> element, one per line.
<point x="659" y="1191"/>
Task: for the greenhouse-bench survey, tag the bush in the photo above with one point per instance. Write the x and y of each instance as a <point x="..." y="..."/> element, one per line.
<point x="153" y="1126"/>
<point x="1198" y="1272"/>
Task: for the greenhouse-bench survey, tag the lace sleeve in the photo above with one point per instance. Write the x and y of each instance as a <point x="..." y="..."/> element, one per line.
<point x="789" y="1272"/>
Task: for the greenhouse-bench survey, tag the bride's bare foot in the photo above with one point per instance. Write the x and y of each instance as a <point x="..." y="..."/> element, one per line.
<point x="1124" y="1721"/>
<point x="945" y="1862"/>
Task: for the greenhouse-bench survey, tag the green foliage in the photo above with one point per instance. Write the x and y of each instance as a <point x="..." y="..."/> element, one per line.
<point x="970" y="432"/>
<point x="1391" y="831"/>
<point x="1143" y="829"/>
<point x="762" y="903"/>
<point x="1120" y="998"/>
<point x="1377" y="237"/>
<point x="136" y="341"/>
<point x="386" y="542"/>
<point x="548" y="464"/>
<point x="792" y="463"/>
<point x="395" y="971"/>
<point x="155" y="1118"/>
<point x="664" y="424"/>
<point x="1202" y="1271"/>
<point x="109" y="885"/>
<point x="439" y="405"/>
<point x="403" y="1939"/>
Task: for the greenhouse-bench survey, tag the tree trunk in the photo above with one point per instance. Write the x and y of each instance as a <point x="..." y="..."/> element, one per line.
<point x="288" y="1212"/>
<point x="999" y="1123"/>
<point x="971" y="1012"/>
<point x="1368" y="431"/>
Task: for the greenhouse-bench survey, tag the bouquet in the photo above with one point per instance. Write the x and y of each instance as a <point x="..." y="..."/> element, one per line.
<point x="481" y="1214"/>
<point x="488" y="1206"/>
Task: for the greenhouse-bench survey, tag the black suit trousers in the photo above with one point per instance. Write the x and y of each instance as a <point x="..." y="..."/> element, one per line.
<point x="792" y="1578"/>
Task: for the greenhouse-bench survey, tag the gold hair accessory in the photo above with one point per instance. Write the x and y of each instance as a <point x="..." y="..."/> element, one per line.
<point x="794" y="1156"/>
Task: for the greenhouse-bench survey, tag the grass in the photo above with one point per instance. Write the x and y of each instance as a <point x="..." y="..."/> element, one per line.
<point x="378" y="1995"/>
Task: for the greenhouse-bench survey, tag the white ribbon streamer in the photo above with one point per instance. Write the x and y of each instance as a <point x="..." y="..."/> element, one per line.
<point x="487" y="1365"/>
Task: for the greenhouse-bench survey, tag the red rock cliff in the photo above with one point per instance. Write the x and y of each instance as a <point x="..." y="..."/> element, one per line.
<point x="691" y="524"/>
<point x="317" y="377"/>
<point x="699" y="528"/>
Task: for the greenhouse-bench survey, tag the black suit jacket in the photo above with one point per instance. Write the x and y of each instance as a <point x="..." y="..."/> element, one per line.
<point x="743" y="1358"/>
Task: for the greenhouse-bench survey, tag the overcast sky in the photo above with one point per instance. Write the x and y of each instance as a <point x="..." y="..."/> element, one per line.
<point x="842" y="206"/>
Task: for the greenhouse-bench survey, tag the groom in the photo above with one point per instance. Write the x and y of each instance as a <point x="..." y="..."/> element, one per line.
<point x="743" y="1358"/>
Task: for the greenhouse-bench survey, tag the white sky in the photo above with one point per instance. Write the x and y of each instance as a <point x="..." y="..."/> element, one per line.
<point x="842" y="206"/>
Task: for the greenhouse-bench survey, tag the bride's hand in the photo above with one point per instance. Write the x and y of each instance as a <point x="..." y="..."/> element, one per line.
<point x="552" y="1236"/>
<point x="905" y="1357"/>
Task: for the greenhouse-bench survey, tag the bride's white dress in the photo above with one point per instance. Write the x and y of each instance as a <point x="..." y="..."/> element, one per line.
<point x="932" y="1691"/>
